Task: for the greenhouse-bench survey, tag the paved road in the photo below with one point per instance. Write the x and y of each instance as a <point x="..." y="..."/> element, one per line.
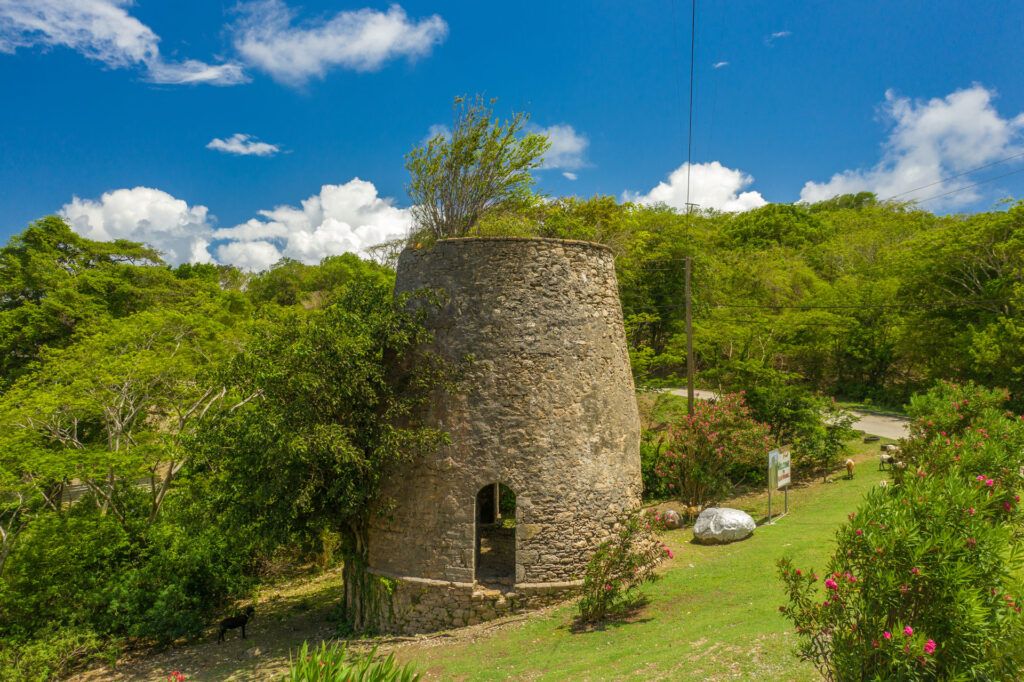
<point x="886" y="426"/>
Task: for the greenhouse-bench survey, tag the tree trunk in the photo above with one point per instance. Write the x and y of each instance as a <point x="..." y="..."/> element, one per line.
<point x="359" y="584"/>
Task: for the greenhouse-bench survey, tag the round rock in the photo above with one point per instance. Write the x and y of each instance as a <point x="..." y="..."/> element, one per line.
<point x="672" y="519"/>
<point x="719" y="525"/>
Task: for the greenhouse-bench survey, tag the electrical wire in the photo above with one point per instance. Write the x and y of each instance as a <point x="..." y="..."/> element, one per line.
<point x="953" y="177"/>
<point x="873" y="306"/>
<point x="960" y="189"/>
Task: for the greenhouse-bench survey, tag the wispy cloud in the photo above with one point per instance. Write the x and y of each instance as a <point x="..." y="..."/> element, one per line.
<point x="770" y="40"/>
<point x="103" y="30"/>
<point x="570" y="176"/>
<point x="268" y="39"/>
<point x="718" y="65"/>
<point x="243" y="145"/>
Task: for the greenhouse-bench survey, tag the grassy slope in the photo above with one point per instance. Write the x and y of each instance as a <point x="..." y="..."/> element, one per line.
<point x="714" y="615"/>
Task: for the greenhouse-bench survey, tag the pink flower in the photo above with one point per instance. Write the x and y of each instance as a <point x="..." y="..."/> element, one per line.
<point x="875" y="644"/>
<point x="1006" y="506"/>
<point x="971" y="511"/>
<point x="908" y="631"/>
<point x="886" y="635"/>
<point x="980" y="477"/>
<point x="798" y="572"/>
<point x="929" y="647"/>
<point x="903" y="589"/>
<point x="989" y="482"/>
<point x="915" y="571"/>
<point x="860" y="532"/>
<point x="831" y="584"/>
<point x="607" y="587"/>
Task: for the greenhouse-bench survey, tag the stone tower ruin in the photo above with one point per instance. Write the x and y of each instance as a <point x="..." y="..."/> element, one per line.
<point x="544" y="452"/>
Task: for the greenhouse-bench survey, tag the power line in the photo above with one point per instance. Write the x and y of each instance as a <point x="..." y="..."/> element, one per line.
<point x="960" y="189"/>
<point x="953" y="177"/>
<point x="872" y="306"/>
<point x="689" y="135"/>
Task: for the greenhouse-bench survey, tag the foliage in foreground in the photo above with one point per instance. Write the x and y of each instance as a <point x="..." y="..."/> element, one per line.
<point x="924" y="583"/>
<point x="620" y="565"/>
<point x="327" y="663"/>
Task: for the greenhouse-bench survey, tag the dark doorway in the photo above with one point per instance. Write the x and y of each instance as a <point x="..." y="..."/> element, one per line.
<point x="496" y="535"/>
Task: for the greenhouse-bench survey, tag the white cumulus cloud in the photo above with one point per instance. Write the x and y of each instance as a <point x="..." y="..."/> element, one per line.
<point x="103" y="30"/>
<point x="243" y="145"/>
<point x="568" y="147"/>
<point x="142" y="214"/>
<point x="339" y="219"/>
<point x="929" y="141"/>
<point x="570" y="176"/>
<point x="267" y="38"/>
<point x="712" y="185"/>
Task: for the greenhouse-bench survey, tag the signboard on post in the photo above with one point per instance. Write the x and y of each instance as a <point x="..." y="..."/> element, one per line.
<point x="778" y="476"/>
<point x="782" y="477"/>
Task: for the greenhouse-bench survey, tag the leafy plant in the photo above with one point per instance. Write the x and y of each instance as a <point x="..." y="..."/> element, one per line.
<point x="619" y="566"/>
<point x="327" y="663"/>
<point x="924" y="582"/>
<point x="707" y="452"/>
<point x="481" y="166"/>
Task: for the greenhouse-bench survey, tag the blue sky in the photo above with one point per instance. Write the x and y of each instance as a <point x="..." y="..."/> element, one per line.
<point x="130" y="118"/>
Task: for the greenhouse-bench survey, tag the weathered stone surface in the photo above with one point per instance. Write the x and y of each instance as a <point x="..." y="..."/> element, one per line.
<point x="718" y="525"/>
<point x="672" y="518"/>
<point x="550" y="413"/>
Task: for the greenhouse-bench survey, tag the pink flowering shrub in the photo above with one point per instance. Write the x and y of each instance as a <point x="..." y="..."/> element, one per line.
<point x="925" y="580"/>
<point x="621" y="565"/>
<point x="708" y="452"/>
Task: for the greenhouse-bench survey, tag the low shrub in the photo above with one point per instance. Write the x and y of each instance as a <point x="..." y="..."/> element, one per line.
<point x="620" y="565"/>
<point x="708" y="453"/>
<point x="925" y="581"/>
<point x="328" y="663"/>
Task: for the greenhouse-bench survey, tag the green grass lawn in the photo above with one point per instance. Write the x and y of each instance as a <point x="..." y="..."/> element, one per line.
<point x="714" y="614"/>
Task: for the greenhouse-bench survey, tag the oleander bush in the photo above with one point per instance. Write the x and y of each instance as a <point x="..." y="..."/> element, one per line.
<point x="925" y="580"/>
<point x="707" y="453"/>
<point x="620" y="565"/>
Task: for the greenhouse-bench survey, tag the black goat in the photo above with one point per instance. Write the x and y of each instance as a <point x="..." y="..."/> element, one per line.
<point x="233" y="622"/>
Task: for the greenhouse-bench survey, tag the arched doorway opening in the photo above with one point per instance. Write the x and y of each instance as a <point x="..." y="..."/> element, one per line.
<point x="496" y="535"/>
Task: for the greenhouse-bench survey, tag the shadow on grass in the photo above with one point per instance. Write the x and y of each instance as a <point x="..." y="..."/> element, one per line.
<point x="626" y="614"/>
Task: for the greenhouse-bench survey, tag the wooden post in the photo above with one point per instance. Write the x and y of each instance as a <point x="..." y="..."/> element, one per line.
<point x="689" y="342"/>
<point x="497" y="502"/>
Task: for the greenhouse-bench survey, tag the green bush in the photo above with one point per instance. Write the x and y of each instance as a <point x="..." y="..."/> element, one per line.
<point x="327" y="663"/>
<point x="924" y="583"/>
<point x="620" y="565"/>
<point x="706" y="454"/>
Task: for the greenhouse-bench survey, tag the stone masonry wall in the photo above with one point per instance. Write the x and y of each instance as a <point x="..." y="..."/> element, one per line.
<point x="551" y="413"/>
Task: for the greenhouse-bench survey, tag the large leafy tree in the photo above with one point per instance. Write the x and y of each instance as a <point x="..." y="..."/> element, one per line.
<point x="52" y="280"/>
<point x="114" y="408"/>
<point x="338" y="398"/>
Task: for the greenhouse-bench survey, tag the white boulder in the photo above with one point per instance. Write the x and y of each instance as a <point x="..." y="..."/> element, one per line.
<point x="719" y="525"/>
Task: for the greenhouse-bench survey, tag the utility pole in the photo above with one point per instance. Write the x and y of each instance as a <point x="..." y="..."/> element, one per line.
<point x="689" y="341"/>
